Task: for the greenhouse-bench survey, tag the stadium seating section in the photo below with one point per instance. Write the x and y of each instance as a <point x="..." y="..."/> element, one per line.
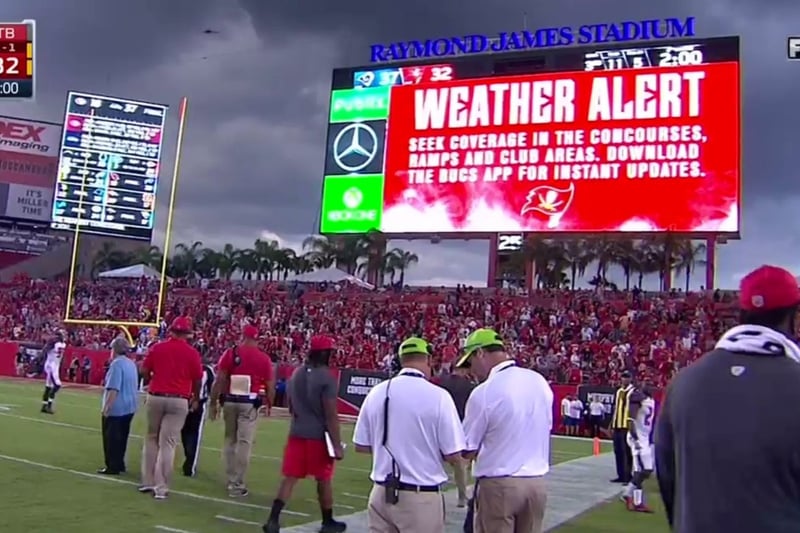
<point x="571" y="337"/>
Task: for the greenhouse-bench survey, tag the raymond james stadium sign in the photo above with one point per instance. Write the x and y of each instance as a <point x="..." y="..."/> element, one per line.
<point x="609" y="32"/>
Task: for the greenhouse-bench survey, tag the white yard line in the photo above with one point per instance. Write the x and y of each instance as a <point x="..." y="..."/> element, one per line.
<point x="348" y="507"/>
<point x="236" y="520"/>
<point x="119" y="481"/>
<point x="172" y="529"/>
<point x="134" y="436"/>
<point x="355" y="496"/>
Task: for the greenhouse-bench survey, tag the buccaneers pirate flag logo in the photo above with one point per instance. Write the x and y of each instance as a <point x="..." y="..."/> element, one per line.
<point x="549" y="203"/>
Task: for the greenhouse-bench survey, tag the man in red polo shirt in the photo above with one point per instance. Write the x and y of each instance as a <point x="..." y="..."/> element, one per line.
<point x="174" y="370"/>
<point x="312" y="392"/>
<point x="242" y="373"/>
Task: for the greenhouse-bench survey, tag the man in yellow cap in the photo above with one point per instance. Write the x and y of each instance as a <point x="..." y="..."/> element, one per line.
<point x="409" y="424"/>
<point x="507" y="425"/>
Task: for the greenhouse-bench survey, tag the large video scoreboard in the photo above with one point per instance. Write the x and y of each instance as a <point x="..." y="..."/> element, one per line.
<point x="109" y="166"/>
<point x="584" y="139"/>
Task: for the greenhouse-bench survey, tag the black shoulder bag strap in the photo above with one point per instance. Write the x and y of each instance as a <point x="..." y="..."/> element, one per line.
<point x="392" y="481"/>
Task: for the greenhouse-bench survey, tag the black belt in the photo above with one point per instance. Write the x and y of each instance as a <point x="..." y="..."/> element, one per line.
<point x="239" y="399"/>
<point x="414" y="488"/>
<point x="168" y="395"/>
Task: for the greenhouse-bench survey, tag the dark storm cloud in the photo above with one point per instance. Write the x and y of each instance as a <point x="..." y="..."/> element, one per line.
<point x="258" y="90"/>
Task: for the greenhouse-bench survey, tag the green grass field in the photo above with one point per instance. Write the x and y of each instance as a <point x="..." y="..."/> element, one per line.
<point x="48" y="465"/>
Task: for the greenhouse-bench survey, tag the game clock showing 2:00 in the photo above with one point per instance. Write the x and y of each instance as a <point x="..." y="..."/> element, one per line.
<point x="17" y="60"/>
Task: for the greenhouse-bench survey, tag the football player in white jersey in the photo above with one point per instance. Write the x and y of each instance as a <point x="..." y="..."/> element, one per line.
<point x="641" y="411"/>
<point x="54" y="353"/>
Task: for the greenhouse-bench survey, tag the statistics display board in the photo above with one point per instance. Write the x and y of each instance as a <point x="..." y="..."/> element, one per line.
<point x="574" y="140"/>
<point x="109" y="164"/>
<point x="17" y="60"/>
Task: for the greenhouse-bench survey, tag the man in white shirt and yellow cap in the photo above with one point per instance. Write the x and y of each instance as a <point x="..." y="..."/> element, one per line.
<point x="507" y="426"/>
<point x="410" y="426"/>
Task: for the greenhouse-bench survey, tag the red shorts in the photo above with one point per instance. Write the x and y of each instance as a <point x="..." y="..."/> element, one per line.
<point x="307" y="458"/>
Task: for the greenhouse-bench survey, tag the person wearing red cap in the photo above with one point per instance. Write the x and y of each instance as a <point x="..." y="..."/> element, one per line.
<point x="315" y="439"/>
<point x="725" y="439"/>
<point x="242" y="373"/>
<point x="174" y="371"/>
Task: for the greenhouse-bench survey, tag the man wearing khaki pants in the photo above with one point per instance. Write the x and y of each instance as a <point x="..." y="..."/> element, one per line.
<point x="460" y="386"/>
<point x="174" y="371"/>
<point x="409" y="425"/>
<point x="507" y="426"/>
<point x="242" y="373"/>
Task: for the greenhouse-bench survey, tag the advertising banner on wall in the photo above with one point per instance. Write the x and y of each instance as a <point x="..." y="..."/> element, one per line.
<point x="28" y="168"/>
<point x="354" y="385"/>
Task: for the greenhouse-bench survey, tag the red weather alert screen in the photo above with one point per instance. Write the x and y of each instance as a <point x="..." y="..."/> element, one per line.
<point x="635" y="150"/>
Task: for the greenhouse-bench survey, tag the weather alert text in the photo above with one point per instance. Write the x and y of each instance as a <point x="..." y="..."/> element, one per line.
<point x="633" y="150"/>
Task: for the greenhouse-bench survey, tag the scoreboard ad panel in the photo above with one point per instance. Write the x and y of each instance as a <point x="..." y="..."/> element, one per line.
<point x="109" y="165"/>
<point x="17" y="59"/>
<point x="591" y="139"/>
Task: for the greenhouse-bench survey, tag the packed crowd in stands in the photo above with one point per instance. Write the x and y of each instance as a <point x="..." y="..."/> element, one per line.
<point x="569" y="336"/>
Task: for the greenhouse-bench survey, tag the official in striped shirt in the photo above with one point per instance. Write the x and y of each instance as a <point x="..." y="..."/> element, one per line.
<point x="619" y="429"/>
<point x="192" y="431"/>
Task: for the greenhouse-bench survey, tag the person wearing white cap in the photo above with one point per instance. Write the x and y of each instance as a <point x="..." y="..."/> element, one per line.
<point x="507" y="425"/>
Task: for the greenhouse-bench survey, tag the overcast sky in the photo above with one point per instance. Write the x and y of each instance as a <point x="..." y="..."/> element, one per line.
<point x="258" y="91"/>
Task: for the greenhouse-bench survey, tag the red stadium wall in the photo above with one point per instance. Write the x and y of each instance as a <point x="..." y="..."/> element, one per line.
<point x="353" y="384"/>
<point x="8" y="356"/>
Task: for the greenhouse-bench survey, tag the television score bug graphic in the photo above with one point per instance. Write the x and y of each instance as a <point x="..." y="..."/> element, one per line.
<point x="654" y="56"/>
<point x="17" y="60"/>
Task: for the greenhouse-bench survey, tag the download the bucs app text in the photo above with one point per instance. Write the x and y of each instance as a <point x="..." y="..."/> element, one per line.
<point x="633" y="150"/>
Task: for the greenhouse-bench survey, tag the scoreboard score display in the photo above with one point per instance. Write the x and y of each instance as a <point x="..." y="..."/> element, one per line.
<point x="585" y="139"/>
<point x="17" y="60"/>
<point x="109" y="165"/>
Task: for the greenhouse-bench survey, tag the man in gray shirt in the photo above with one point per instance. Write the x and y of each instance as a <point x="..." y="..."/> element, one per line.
<point x="727" y="443"/>
<point x="458" y="384"/>
<point x="314" y="436"/>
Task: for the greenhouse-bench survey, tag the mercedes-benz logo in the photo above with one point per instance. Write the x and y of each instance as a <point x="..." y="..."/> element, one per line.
<point x="354" y="147"/>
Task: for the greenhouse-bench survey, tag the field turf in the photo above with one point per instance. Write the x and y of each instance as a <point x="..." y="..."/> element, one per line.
<point x="48" y="465"/>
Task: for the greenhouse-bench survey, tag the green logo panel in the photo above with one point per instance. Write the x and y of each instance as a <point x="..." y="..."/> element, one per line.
<point x="352" y="204"/>
<point x="354" y="105"/>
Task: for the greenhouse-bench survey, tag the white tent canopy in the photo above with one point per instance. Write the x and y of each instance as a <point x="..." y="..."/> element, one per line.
<point x="330" y="275"/>
<point x="133" y="271"/>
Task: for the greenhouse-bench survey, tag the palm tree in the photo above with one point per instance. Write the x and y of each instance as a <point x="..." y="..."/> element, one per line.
<point x="150" y="256"/>
<point x="689" y="255"/>
<point x="576" y="256"/>
<point x="247" y="263"/>
<point x="322" y="253"/>
<point x="625" y="257"/>
<point x="224" y="262"/>
<point x="400" y="261"/>
<point x="604" y="253"/>
<point x="285" y="259"/>
<point x="108" y="257"/>
<point x="186" y="257"/>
